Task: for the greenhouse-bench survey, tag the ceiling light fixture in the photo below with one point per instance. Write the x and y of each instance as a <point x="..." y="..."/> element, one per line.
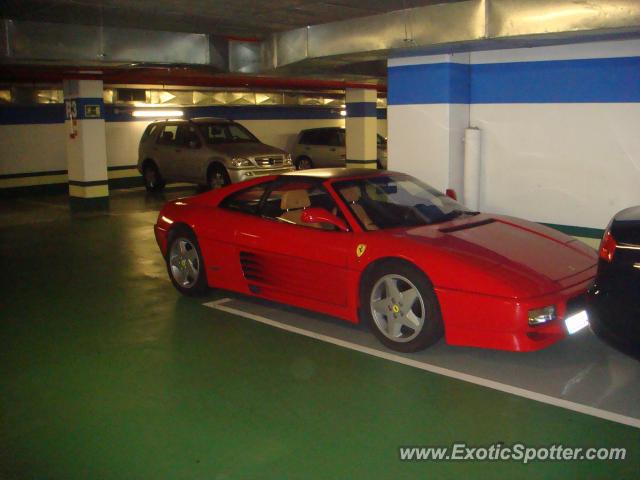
<point x="158" y="113"/>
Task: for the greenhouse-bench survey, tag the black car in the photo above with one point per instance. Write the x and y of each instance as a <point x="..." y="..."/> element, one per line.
<point x="614" y="299"/>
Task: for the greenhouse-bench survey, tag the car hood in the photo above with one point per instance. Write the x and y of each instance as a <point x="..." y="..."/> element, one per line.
<point x="245" y="150"/>
<point x="537" y="258"/>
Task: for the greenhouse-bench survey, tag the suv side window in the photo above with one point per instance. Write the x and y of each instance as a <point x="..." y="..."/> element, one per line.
<point x="247" y="200"/>
<point x="323" y="137"/>
<point x="168" y="135"/>
<point x="151" y="131"/>
<point x="308" y="137"/>
<point x="335" y="138"/>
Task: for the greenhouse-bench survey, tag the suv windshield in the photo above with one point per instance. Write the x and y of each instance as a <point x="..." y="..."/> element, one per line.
<point x="390" y="201"/>
<point x="217" y="133"/>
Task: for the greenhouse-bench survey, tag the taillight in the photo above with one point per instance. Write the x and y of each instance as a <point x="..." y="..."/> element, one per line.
<point x="607" y="247"/>
<point x="451" y="193"/>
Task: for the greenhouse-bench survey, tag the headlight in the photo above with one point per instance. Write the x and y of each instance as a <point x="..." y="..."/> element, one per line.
<point x="240" y="162"/>
<point x="287" y="160"/>
<point x="538" y="316"/>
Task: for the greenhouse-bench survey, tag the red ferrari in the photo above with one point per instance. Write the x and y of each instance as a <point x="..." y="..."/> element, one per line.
<point x="384" y="249"/>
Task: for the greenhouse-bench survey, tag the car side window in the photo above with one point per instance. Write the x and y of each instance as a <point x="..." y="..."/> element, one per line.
<point x="310" y="138"/>
<point x="151" y="131"/>
<point x="245" y="201"/>
<point x="323" y="137"/>
<point x="168" y="135"/>
<point x="333" y="138"/>
<point x="286" y="203"/>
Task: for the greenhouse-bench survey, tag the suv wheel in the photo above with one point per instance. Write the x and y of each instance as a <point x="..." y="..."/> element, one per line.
<point x="303" y="163"/>
<point x="218" y="177"/>
<point x="153" y="181"/>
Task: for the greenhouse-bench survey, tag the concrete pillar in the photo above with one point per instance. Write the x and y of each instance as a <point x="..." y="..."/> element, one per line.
<point x="362" y="128"/>
<point x="86" y="145"/>
<point x="427" y="114"/>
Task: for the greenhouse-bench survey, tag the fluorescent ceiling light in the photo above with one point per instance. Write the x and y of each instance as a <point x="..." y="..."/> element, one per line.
<point x="157" y="113"/>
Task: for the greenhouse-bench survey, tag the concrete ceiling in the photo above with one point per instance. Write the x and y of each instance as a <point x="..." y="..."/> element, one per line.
<point x="240" y="18"/>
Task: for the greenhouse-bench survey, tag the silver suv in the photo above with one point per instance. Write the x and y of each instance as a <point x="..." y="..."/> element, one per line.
<point x="212" y="152"/>
<point x="325" y="147"/>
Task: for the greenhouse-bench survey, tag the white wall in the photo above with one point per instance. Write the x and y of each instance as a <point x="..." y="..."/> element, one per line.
<point x="32" y="148"/>
<point x="567" y="163"/>
<point x="418" y="140"/>
<point x="570" y="164"/>
<point x="41" y="147"/>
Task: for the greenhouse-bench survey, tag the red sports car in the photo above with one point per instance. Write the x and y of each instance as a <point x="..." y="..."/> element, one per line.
<point x="384" y="249"/>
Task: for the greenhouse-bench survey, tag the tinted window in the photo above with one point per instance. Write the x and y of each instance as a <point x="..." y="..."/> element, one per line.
<point x="168" y="135"/>
<point x="151" y="131"/>
<point x="217" y="133"/>
<point x="308" y="137"/>
<point x="246" y="201"/>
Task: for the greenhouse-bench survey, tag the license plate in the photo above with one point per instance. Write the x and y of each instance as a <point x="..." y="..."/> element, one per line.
<point x="576" y="322"/>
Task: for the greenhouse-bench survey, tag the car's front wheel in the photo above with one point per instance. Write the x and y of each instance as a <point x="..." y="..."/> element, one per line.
<point x="184" y="263"/>
<point x="401" y="307"/>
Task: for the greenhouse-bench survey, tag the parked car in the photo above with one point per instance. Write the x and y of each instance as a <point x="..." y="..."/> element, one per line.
<point x="614" y="299"/>
<point x="212" y="152"/>
<point x="326" y="147"/>
<point x="384" y="249"/>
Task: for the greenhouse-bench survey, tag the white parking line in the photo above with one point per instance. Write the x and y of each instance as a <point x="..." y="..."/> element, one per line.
<point x="521" y="392"/>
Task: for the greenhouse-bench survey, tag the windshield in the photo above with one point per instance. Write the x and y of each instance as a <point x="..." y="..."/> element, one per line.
<point x="217" y="133"/>
<point x="391" y="201"/>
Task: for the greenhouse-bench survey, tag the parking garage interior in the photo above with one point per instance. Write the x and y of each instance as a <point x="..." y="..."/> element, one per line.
<point x="524" y="109"/>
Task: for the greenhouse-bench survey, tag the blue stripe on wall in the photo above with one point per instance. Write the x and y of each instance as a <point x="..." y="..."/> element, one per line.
<point x="14" y="115"/>
<point x="35" y="114"/>
<point x="432" y="83"/>
<point x="601" y="80"/>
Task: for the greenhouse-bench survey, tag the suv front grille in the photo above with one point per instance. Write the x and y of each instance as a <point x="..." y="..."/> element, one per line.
<point x="270" y="161"/>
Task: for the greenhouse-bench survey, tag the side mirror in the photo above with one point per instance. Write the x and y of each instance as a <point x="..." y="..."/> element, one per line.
<point x="320" y="215"/>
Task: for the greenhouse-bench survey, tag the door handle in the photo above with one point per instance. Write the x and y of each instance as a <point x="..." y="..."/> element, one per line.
<point x="332" y="149"/>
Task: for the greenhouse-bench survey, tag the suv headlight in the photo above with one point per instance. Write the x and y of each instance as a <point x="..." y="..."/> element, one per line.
<point x="538" y="316"/>
<point x="240" y="162"/>
<point x="287" y="160"/>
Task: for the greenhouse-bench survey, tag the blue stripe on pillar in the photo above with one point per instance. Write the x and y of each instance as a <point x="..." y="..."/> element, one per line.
<point x="84" y="108"/>
<point x="362" y="109"/>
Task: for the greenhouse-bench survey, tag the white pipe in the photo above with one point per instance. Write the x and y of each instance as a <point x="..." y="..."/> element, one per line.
<point x="472" y="167"/>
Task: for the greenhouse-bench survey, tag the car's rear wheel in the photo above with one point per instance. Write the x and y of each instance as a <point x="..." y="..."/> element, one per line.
<point x="217" y="177"/>
<point x="153" y="181"/>
<point x="401" y="307"/>
<point x="185" y="264"/>
<point x="303" y="163"/>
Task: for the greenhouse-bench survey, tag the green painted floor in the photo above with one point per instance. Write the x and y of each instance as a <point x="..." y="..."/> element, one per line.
<point x="108" y="373"/>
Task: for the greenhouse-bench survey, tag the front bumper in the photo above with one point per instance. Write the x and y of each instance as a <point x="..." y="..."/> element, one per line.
<point x="240" y="175"/>
<point x="486" y="321"/>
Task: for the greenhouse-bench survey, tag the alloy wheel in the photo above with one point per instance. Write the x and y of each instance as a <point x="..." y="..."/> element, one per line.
<point x="397" y="308"/>
<point x="184" y="262"/>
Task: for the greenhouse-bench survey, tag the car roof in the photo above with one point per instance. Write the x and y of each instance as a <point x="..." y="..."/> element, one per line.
<point x="195" y="120"/>
<point x="211" y="120"/>
<point x="321" y="129"/>
<point x="328" y="173"/>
